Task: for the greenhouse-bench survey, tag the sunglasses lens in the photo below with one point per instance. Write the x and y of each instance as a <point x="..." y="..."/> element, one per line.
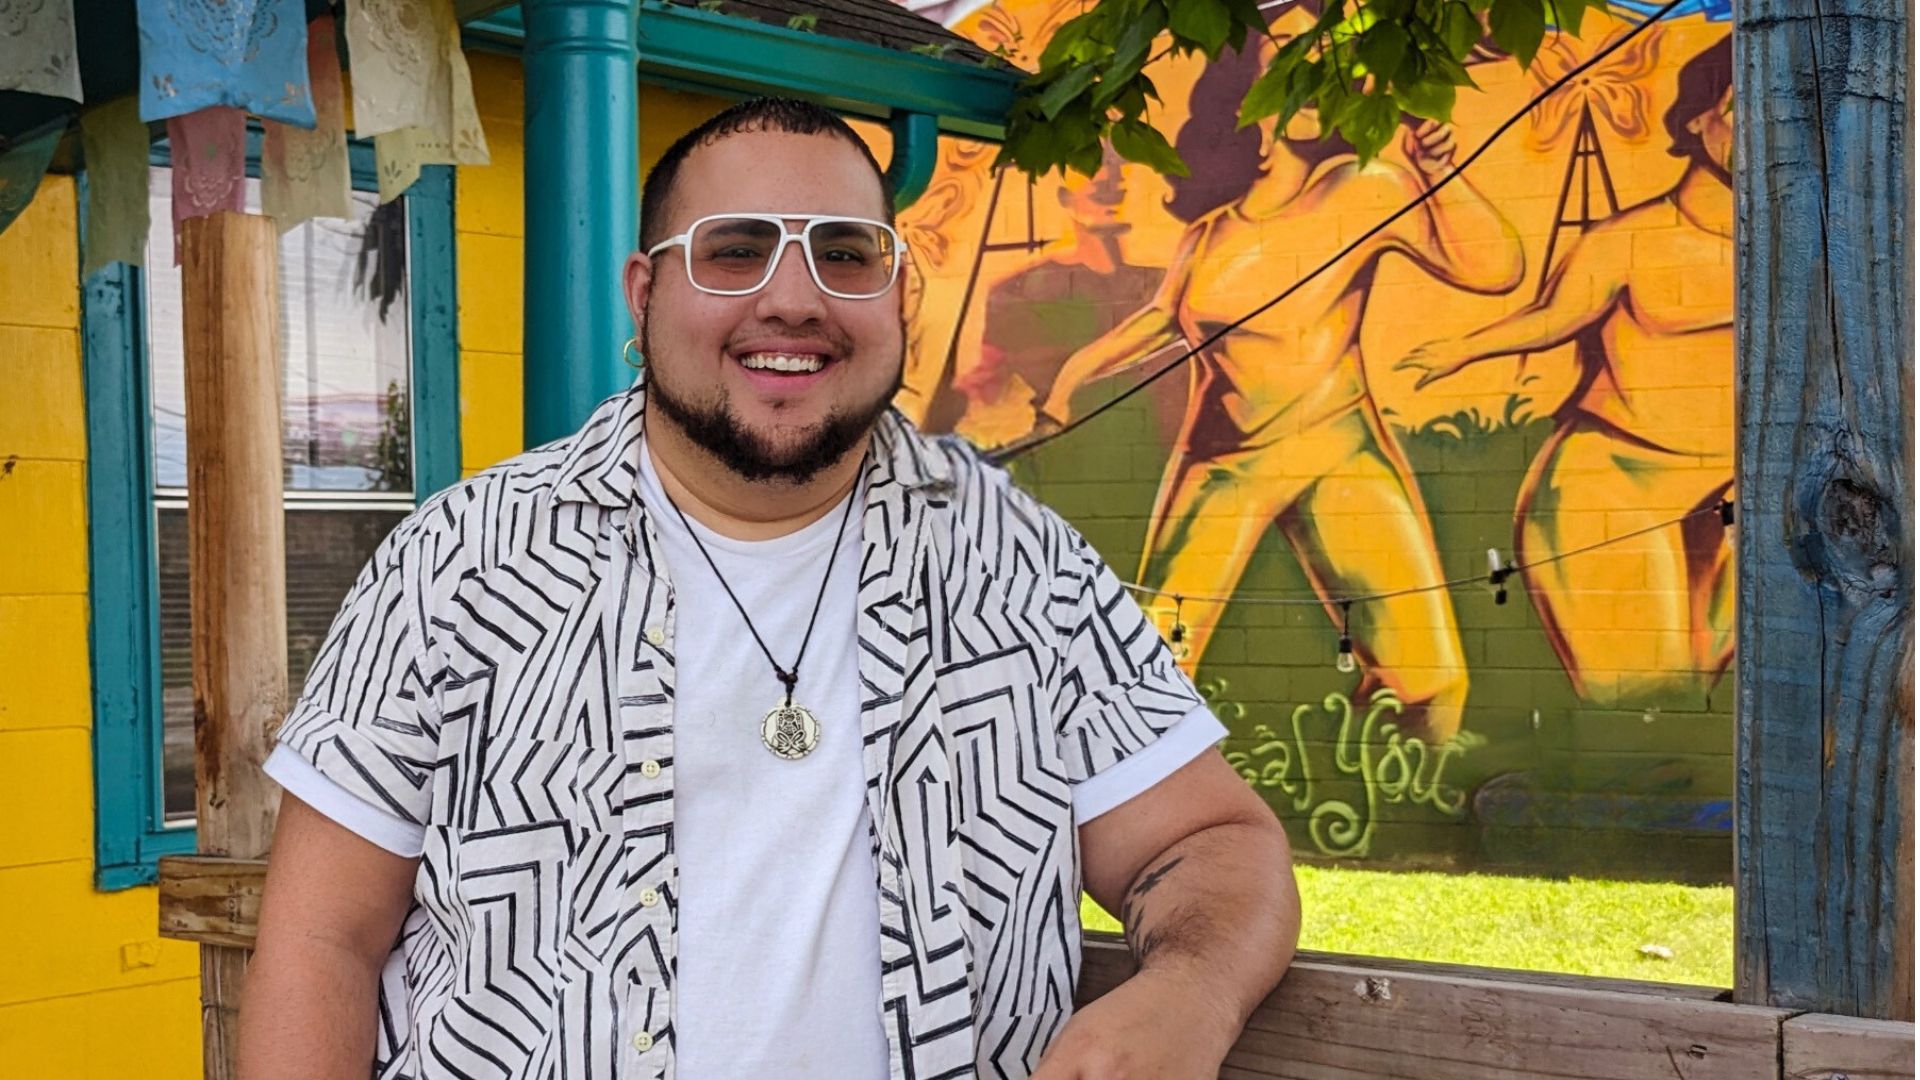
<point x="733" y="255"/>
<point x="853" y="258"/>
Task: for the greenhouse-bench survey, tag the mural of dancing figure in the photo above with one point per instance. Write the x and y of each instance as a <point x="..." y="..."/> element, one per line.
<point x="1079" y="288"/>
<point x="1645" y="298"/>
<point x="1281" y="429"/>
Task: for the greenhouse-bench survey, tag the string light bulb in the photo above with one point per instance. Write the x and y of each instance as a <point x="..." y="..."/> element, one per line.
<point x="1497" y="573"/>
<point x="1344" y="661"/>
<point x="1177" y="637"/>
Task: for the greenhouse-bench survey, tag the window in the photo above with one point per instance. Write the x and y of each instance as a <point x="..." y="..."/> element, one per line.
<point x="370" y="426"/>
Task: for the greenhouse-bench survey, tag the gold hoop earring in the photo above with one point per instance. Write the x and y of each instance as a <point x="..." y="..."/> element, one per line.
<point x="631" y="356"/>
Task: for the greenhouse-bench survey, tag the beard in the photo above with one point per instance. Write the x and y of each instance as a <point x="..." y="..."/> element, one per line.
<point x="713" y="426"/>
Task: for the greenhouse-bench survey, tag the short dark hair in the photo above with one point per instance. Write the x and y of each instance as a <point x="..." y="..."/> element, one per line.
<point x="790" y="115"/>
<point x="1702" y="81"/>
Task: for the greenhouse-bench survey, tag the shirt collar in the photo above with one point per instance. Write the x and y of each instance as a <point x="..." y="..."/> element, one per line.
<point x="602" y="463"/>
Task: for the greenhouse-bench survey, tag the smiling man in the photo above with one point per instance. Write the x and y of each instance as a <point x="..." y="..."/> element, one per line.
<point x="749" y="733"/>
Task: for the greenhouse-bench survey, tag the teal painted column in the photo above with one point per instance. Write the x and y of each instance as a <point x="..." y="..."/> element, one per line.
<point x="582" y="206"/>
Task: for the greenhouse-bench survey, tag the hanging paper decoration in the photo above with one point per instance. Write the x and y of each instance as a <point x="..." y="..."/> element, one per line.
<point x="412" y="90"/>
<point x="245" y="54"/>
<point x="209" y="165"/>
<point x="114" y="141"/>
<point x="305" y="174"/>
<point x="37" y="52"/>
<point x="21" y="168"/>
<point x="397" y="158"/>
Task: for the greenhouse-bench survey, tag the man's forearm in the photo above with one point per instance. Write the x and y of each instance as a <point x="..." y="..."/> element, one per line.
<point x="1218" y="911"/>
<point x="309" y="1014"/>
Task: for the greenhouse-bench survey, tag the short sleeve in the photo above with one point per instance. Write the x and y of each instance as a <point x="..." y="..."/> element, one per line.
<point x="1119" y="688"/>
<point x="366" y="721"/>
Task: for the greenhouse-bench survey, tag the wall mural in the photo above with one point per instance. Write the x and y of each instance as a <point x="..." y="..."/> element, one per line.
<point x="1538" y="359"/>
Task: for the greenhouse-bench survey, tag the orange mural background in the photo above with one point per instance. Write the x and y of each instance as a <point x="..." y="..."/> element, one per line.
<point x="1537" y="360"/>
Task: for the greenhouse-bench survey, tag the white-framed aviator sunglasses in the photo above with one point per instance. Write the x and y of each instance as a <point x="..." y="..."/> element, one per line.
<point x="736" y="254"/>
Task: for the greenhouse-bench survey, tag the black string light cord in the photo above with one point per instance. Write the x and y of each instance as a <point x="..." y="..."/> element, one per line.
<point x="1495" y="579"/>
<point x="1004" y="454"/>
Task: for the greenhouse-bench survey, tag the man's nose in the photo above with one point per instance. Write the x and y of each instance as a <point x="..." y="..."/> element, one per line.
<point x="791" y="295"/>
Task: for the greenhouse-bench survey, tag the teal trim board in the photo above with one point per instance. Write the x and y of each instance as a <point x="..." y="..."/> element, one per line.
<point x="130" y="831"/>
<point x="715" y="53"/>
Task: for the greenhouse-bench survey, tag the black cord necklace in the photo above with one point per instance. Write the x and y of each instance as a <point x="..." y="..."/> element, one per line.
<point x="789" y="730"/>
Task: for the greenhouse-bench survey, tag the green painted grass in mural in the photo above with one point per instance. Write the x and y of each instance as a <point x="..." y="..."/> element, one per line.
<point x="1613" y="929"/>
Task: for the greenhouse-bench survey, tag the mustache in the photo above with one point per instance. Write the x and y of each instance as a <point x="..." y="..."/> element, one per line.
<point x="835" y="343"/>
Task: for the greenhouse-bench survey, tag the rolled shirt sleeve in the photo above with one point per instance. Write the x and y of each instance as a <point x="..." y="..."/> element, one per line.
<point x="1119" y="692"/>
<point x="365" y="727"/>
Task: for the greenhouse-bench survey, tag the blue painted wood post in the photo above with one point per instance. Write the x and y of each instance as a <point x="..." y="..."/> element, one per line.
<point x="1823" y="173"/>
<point x="582" y="207"/>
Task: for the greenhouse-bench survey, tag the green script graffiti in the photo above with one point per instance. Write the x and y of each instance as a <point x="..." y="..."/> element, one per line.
<point x="1393" y="767"/>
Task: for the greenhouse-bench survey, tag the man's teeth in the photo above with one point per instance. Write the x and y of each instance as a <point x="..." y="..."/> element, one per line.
<point x="781" y="362"/>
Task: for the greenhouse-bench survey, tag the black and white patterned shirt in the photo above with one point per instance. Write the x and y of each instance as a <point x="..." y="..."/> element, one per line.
<point x="500" y="683"/>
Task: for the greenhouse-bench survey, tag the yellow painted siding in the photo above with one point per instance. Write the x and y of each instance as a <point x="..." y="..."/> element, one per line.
<point x="87" y="988"/>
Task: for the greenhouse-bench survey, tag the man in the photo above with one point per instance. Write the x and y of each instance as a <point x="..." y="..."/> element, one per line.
<point x="656" y="766"/>
<point x="1647" y="433"/>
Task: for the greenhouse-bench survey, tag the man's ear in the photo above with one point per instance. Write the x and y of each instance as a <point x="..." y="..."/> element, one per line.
<point x="636" y="280"/>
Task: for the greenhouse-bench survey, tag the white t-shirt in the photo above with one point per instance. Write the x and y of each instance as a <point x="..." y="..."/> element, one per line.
<point x="778" y="968"/>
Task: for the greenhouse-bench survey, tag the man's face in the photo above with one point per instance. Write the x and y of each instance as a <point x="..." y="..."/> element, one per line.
<point x="763" y="423"/>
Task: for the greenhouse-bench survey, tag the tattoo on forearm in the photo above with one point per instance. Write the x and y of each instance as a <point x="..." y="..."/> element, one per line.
<point x="1143" y="939"/>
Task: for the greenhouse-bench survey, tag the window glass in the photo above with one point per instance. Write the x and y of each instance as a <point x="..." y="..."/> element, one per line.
<point x="346" y="434"/>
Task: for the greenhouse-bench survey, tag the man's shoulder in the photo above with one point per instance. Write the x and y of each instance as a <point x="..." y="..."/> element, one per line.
<point x="995" y="515"/>
<point x="511" y="492"/>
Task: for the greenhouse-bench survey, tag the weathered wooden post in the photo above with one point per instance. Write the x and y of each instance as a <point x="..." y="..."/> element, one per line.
<point x="1823" y="176"/>
<point x="237" y="553"/>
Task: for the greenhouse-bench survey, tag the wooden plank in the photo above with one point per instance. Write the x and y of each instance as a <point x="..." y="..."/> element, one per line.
<point x="1824" y="332"/>
<point x="236" y="547"/>
<point x="211" y="900"/>
<point x="1389" y="964"/>
<point x="1357" y="1021"/>
<point x="1822" y="1047"/>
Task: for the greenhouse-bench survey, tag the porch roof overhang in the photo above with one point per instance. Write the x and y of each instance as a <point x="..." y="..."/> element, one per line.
<point x="961" y="91"/>
<point x="967" y="93"/>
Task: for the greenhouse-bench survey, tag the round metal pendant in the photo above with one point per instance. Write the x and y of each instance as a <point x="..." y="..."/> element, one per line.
<point x="790" y="731"/>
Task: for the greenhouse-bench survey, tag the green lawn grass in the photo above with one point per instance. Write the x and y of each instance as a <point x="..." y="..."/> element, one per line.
<point x="1575" y="926"/>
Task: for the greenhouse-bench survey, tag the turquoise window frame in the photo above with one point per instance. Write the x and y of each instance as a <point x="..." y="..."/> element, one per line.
<point x="130" y="830"/>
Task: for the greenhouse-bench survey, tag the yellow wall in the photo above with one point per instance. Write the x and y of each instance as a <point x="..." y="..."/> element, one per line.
<point x="87" y="988"/>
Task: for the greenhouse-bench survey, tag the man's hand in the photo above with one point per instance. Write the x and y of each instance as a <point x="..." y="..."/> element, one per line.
<point x="1151" y="1027"/>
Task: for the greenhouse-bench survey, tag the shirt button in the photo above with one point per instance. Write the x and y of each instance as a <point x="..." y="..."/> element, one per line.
<point x="648" y="898"/>
<point x="656" y="635"/>
<point x="649" y="768"/>
<point x="642" y="1041"/>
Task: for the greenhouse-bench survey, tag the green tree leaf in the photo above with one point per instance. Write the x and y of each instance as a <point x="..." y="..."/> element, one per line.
<point x="1206" y="23"/>
<point x="1382" y="49"/>
<point x="1430" y="98"/>
<point x="1517" y="27"/>
<point x="1461" y="28"/>
<point x="1138" y="141"/>
<point x="1064" y="89"/>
